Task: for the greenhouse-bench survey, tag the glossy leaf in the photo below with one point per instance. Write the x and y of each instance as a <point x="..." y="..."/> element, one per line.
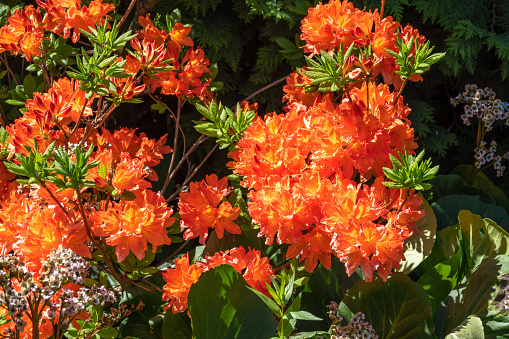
<point x="398" y="308"/>
<point x="221" y="306"/>
<point x="420" y="244"/>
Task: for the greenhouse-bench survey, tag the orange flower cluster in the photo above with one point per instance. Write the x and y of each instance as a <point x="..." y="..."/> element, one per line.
<point x="328" y="26"/>
<point x="32" y="226"/>
<point x="316" y="172"/>
<point x="48" y="115"/>
<point x="131" y="225"/>
<point x="202" y="208"/>
<point x="25" y="31"/>
<point x="63" y="16"/>
<point x="255" y="269"/>
<point x="188" y="76"/>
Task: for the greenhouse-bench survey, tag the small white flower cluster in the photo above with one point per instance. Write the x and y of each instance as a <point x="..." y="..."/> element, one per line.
<point x="355" y="329"/>
<point x="485" y="156"/>
<point x="482" y="104"/>
<point x="63" y="266"/>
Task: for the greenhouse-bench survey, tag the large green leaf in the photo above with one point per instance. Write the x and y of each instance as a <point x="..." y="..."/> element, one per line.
<point x="439" y="281"/>
<point x="446" y="246"/>
<point x="222" y="307"/>
<point x="471" y="328"/>
<point x="472" y="295"/>
<point x="420" y="245"/>
<point x="496" y="323"/>
<point x="177" y="325"/>
<point x="481" y="238"/>
<point x="454" y="184"/>
<point x="481" y="181"/>
<point x="323" y="287"/>
<point x="447" y="208"/>
<point x="398" y="308"/>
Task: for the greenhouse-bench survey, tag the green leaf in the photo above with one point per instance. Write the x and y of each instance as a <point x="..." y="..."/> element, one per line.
<point x="398" y="308"/>
<point x="221" y="306"/>
<point x="470" y="328"/>
<point x="177" y="325"/>
<point x="29" y="84"/>
<point x="481" y="238"/>
<point x="303" y="315"/>
<point x="447" y="209"/>
<point x="128" y="196"/>
<point x="421" y="243"/>
<point x="441" y="279"/>
<point x="446" y="246"/>
<point x="481" y="181"/>
<point x="268" y="301"/>
<point x="472" y="295"/>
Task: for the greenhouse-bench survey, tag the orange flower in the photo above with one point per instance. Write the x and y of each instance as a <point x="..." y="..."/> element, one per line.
<point x="149" y="151"/>
<point x="24" y="33"/>
<point x="63" y="16"/>
<point x="255" y="270"/>
<point x="131" y="225"/>
<point x="178" y="283"/>
<point x="32" y="227"/>
<point x="201" y="209"/>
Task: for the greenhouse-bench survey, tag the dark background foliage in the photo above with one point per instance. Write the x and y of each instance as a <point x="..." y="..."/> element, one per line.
<point x="255" y="43"/>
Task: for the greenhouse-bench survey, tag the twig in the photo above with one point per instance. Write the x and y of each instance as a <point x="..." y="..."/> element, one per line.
<point x="4" y="121"/>
<point x="175" y="144"/>
<point x="400" y="90"/>
<point x="280" y="268"/>
<point x="126" y="14"/>
<point x="184" y="244"/>
<point x="97" y="243"/>
<point x="191" y="175"/>
<point x="157" y="288"/>
<point x="4" y="59"/>
<point x="43" y="185"/>
<point x="265" y="88"/>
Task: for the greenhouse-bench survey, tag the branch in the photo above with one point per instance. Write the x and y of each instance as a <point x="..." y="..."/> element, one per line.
<point x="189" y="177"/>
<point x="263" y="89"/>
<point x="126" y="14"/>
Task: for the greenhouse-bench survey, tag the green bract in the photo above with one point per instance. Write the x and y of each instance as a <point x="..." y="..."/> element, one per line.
<point x="224" y="125"/>
<point x="410" y="173"/>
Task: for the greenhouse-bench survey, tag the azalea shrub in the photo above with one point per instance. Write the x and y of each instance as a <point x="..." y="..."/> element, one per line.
<point x="331" y="223"/>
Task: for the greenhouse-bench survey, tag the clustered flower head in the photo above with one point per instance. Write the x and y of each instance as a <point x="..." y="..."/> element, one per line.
<point x="25" y="32"/>
<point x="301" y="166"/>
<point x="357" y="328"/>
<point x="304" y="167"/>
<point x="339" y="23"/>
<point x="202" y="208"/>
<point x="255" y="269"/>
<point x="188" y="74"/>
<point x="482" y="104"/>
<point x="54" y="288"/>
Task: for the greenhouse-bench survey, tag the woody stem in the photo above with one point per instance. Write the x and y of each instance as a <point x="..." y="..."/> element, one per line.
<point x="175" y="144"/>
<point x="190" y="176"/>
<point x="98" y="243"/>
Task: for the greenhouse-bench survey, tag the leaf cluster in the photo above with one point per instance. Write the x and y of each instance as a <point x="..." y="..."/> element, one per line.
<point x="326" y="71"/>
<point x="410" y="172"/>
<point x="55" y="166"/>
<point x="74" y="173"/>
<point x="411" y="64"/>
<point x="224" y="124"/>
<point x="281" y="295"/>
<point x="58" y="53"/>
<point x="93" y="69"/>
